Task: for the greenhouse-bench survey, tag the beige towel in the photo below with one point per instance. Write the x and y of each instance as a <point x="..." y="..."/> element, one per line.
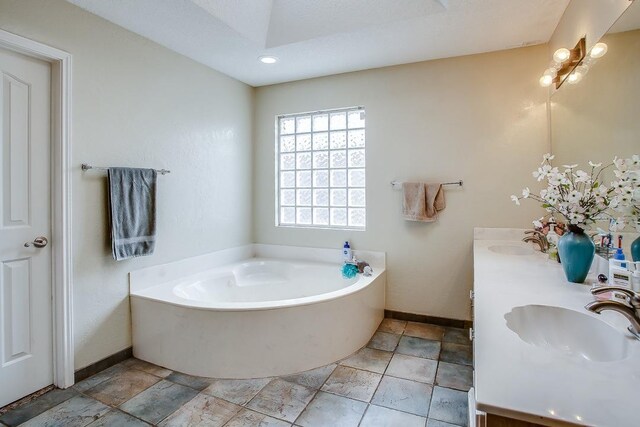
<point x="422" y="202"/>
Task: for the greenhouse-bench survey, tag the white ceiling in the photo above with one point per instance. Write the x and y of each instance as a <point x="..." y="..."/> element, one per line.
<point x="315" y="38"/>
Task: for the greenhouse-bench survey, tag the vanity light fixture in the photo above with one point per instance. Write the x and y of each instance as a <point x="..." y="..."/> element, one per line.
<point x="577" y="74"/>
<point x="267" y="59"/>
<point x="561" y="55"/>
<point x="598" y="50"/>
<point x="564" y="64"/>
<point x="546" y="80"/>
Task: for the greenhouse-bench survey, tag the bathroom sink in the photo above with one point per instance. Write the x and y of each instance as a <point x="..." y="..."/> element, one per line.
<point x="567" y="331"/>
<point x="511" y="250"/>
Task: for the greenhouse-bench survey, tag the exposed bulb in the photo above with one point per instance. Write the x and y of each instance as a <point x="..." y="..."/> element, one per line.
<point x="574" y="77"/>
<point x="598" y="50"/>
<point x="546" y="80"/>
<point x="561" y="55"/>
<point x="551" y="72"/>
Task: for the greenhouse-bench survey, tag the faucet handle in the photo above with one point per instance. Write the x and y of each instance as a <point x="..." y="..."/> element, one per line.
<point x="626" y="291"/>
<point x="632" y="297"/>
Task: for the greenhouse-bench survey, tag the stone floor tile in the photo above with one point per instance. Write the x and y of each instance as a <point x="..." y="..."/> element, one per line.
<point x="392" y="326"/>
<point x="282" y="399"/>
<point x="378" y="416"/>
<point x="436" y="423"/>
<point x="413" y="368"/>
<point x="115" y="418"/>
<point x="248" y="418"/>
<point x="455" y="376"/>
<point x="78" y="411"/>
<point x="313" y="378"/>
<point x="384" y="341"/>
<point x="101" y="376"/>
<point x="122" y="386"/>
<point x="457" y="336"/>
<point x="199" y="383"/>
<point x="330" y="410"/>
<point x="147" y="367"/>
<point x="237" y="391"/>
<point x="158" y="401"/>
<point x="403" y="395"/>
<point x="369" y="359"/>
<point x="456" y="353"/>
<point x="36" y="407"/>
<point x="352" y="383"/>
<point x="419" y="347"/>
<point x="424" y="330"/>
<point x="450" y="406"/>
<point x="202" y="410"/>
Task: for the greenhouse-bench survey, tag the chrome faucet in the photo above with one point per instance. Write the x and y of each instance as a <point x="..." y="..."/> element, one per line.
<point x="538" y="238"/>
<point x="630" y="308"/>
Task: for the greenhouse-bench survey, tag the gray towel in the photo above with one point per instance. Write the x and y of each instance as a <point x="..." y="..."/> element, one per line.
<point x="132" y="204"/>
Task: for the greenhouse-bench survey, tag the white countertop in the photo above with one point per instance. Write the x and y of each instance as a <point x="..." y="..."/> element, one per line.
<point x="545" y="386"/>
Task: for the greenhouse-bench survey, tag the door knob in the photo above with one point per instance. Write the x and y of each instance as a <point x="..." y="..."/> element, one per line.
<point x="38" y="242"/>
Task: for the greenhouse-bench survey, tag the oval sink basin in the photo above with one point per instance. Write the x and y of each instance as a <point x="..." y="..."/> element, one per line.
<point x="569" y="332"/>
<point x="511" y="250"/>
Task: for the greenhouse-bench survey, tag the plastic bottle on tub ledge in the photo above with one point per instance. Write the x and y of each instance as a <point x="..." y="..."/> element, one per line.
<point x="347" y="255"/>
<point x="349" y="267"/>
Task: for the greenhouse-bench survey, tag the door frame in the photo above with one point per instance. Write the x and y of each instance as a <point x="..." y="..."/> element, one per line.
<point x="62" y="278"/>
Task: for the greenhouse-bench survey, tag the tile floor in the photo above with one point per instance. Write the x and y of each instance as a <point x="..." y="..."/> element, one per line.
<point x="410" y="374"/>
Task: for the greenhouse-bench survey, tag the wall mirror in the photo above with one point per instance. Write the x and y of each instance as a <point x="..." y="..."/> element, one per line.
<point x="599" y="117"/>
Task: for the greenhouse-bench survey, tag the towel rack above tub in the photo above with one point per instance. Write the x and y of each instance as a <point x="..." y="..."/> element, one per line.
<point x="397" y="185"/>
<point x="86" y="167"/>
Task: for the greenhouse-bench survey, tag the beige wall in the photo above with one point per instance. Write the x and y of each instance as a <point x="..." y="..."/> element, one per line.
<point x="138" y="104"/>
<point x="479" y="118"/>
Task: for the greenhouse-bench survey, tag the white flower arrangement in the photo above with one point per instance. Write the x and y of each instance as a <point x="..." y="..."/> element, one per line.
<point x="576" y="195"/>
<point x="625" y="199"/>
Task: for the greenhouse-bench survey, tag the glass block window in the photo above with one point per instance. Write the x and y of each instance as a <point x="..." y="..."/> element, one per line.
<point x="320" y="166"/>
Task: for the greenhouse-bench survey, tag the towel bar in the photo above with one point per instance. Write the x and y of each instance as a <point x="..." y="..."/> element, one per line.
<point x="398" y="184"/>
<point x="86" y="167"/>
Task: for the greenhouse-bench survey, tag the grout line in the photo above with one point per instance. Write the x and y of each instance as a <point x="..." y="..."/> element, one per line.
<point x="315" y="390"/>
<point x="117" y="408"/>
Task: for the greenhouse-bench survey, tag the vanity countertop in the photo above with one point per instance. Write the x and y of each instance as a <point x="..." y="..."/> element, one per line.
<point x="542" y="385"/>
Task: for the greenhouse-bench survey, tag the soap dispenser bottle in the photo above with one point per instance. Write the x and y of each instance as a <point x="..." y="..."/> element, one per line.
<point x="346" y="252"/>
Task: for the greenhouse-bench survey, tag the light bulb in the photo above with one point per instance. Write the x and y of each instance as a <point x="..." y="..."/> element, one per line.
<point x="574" y="77"/>
<point x="268" y="59"/>
<point x="598" y="50"/>
<point x="561" y="54"/>
<point x="551" y="72"/>
<point x="546" y="80"/>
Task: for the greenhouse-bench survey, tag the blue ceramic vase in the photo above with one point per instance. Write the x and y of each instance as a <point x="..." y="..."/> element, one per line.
<point x="635" y="249"/>
<point x="576" y="252"/>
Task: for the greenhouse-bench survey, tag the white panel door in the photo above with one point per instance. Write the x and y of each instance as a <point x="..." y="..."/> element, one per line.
<point x="26" y="330"/>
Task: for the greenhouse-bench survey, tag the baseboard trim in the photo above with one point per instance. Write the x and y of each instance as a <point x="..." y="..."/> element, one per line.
<point x="423" y="318"/>
<point x="103" y="364"/>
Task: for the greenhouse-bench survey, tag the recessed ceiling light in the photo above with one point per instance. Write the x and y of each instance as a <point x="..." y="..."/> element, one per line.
<point x="268" y="59"/>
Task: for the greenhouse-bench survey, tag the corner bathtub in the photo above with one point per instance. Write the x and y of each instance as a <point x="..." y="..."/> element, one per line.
<point x="255" y="317"/>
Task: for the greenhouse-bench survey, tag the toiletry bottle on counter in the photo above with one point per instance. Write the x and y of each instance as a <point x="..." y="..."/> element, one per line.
<point x="635" y="278"/>
<point x="346" y="252"/>
<point x="618" y="273"/>
<point x="619" y="254"/>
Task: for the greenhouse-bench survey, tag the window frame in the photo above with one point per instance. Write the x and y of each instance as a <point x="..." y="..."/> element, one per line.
<point x="346" y="187"/>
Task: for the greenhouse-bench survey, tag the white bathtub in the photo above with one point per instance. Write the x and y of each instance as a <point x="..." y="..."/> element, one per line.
<point x="255" y="311"/>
